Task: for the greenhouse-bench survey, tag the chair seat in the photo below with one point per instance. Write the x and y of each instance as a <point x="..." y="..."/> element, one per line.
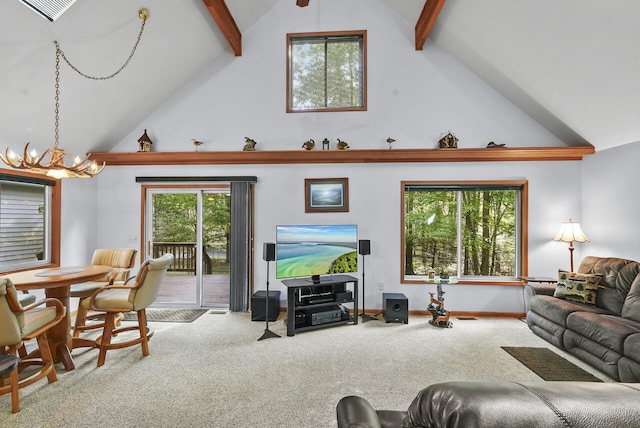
<point x="86" y="289"/>
<point x="114" y="298"/>
<point x="37" y="318"/>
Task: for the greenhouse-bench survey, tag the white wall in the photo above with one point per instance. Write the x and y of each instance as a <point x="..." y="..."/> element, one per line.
<point x="413" y="96"/>
<point x="611" y="202"/>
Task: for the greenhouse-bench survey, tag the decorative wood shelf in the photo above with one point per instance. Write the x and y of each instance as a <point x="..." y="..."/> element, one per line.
<point x="504" y="154"/>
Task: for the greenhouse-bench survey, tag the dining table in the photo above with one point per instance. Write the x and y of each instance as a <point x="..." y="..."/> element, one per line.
<point x="57" y="282"/>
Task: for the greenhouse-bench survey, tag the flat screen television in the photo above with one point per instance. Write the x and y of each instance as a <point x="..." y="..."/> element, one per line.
<point x="310" y="250"/>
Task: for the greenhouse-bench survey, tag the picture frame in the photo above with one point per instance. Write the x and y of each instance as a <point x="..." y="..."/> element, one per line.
<point x="323" y="195"/>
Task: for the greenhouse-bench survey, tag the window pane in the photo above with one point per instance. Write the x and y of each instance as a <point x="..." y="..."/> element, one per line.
<point x="489" y="240"/>
<point x="431" y="232"/>
<point x="343" y="74"/>
<point x="308" y="75"/>
<point x="23" y="225"/>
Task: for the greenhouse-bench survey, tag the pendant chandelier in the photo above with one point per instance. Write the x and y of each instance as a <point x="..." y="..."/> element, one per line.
<point x="56" y="162"/>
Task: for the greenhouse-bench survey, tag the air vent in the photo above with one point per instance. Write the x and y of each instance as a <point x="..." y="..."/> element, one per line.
<point x="50" y="9"/>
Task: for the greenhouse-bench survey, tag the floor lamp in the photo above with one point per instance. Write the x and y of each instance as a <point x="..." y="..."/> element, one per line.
<point x="571" y="231"/>
<point x="364" y="247"/>
<point x="269" y="254"/>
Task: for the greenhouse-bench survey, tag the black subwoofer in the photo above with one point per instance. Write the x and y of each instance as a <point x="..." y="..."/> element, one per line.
<point x="395" y="307"/>
<point x="259" y="302"/>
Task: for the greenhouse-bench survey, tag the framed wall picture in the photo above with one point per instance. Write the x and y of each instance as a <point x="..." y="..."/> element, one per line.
<point x="326" y="195"/>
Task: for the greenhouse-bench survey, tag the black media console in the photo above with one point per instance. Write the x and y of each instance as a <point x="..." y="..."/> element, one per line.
<point x="318" y="302"/>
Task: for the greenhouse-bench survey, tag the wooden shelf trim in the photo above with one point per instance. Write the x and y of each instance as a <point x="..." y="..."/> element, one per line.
<point x="509" y="154"/>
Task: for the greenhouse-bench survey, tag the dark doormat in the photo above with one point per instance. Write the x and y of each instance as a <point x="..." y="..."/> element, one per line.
<point x="549" y="365"/>
<point x="167" y="315"/>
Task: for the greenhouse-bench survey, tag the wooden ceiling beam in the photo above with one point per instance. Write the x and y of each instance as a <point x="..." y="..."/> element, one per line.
<point x="221" y="14"/>
<point x="427" y="18"/>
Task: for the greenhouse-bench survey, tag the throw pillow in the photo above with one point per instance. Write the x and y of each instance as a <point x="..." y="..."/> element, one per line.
<point x="577" y="287"/>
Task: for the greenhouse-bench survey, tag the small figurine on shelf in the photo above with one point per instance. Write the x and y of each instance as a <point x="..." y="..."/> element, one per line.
<point x="492" y="145"/>
<point x="144" y="143"/>
<point x="309" y="145"/>
<point x="325" y="144"/>
<point x="342" y="145"/>
<point x="436" y="307"/>
<point x="250" y="145"/>
<point x="390" y="141"/>
<point x="196" y="143"/>
<point x="449" y="141"/>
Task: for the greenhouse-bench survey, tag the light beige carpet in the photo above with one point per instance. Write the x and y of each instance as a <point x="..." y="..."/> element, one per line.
<point x="214" y="372"/>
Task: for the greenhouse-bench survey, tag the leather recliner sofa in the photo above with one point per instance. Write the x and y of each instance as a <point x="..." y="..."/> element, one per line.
<point x="605" y="335"/>
<point x="504" y="405"/>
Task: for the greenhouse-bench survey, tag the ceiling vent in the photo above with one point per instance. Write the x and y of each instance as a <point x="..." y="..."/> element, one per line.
<point x="50" y="9"/>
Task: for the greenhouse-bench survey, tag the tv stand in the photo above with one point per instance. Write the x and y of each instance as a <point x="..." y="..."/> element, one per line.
<point x="314" y="303"/>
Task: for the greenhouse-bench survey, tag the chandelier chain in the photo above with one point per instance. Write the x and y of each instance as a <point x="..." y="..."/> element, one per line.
<point x="57" y="115"/>
<point x="133" y="51"/>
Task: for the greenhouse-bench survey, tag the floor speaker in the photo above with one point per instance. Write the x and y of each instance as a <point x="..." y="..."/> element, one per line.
<point x="395" y="307"/>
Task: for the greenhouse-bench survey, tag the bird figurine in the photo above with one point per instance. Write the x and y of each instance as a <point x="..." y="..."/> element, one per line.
<point x="309" y="145"/>
<point x="492" y="145"/>
<point x="342" y="145"/>
<point x="250" y="144"/>
<point x="196" y="143"/>
<point x="390" y="141"/>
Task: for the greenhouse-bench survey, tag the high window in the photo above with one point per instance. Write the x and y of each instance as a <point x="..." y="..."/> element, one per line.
<point x="28" y="207"/>
<point x="326" y="71"/>
<point x="473" y="231"/>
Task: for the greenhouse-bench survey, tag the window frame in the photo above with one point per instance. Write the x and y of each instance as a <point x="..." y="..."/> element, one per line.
<point x="522" y="240"/>
<point x="327" y="35"/>
<point x="55" y="209"/>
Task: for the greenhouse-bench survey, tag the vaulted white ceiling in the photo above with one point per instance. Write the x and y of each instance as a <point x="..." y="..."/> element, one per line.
<point x="571" y="65"/>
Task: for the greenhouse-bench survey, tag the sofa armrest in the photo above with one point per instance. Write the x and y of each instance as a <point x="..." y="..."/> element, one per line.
<point x="356" y="412"/>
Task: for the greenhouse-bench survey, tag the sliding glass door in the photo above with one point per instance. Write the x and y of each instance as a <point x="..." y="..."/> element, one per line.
<point x="192" y="223"/>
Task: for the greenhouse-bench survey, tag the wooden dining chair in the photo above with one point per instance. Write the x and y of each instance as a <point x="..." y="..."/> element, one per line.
<point x="9" y="368"/>
<point x="137" y="296"/>
<point x="122" y="260"/>
<point x="20" y="324"/>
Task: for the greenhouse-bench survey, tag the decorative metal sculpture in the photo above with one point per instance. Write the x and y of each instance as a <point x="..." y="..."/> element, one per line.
<point x="436" y="307"/>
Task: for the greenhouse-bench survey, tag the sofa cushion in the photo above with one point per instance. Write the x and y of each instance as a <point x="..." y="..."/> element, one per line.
<point x="617" y="277"/>
<point x="596" y="355"/>
<point x="609" y="331"/>
<point x="577" y="287"/>
<point x="557" y="310"/>
<point x="631" y="306"/>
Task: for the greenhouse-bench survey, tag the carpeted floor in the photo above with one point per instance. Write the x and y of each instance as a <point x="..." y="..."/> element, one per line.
<point x="167" y="315"/>
<point x="549" y="365"/>
<point x="214" y="372"/>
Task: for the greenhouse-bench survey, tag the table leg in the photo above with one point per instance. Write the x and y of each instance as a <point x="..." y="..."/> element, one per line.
<point x="59" y="336"/>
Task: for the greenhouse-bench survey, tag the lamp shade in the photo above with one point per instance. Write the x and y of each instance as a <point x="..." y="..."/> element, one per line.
<point x="570" y="231"/>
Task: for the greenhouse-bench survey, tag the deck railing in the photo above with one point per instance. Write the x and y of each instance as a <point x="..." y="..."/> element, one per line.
<point x="184" y="254"/>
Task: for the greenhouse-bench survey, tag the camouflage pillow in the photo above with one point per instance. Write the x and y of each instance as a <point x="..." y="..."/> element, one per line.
<point x="577" y="287"/>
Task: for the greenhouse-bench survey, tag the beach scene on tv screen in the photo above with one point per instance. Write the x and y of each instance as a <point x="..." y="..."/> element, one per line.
<point x="305" y="250"/>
